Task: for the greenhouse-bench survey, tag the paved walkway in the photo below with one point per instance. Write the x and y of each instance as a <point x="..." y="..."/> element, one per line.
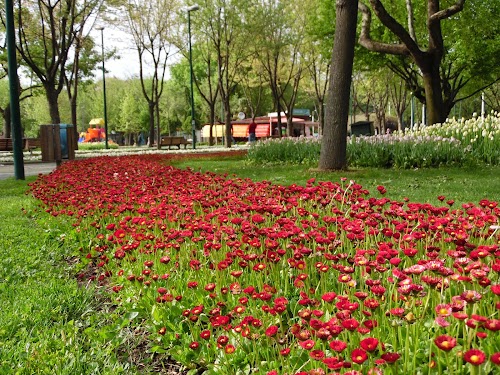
<point x="30" y="169"/>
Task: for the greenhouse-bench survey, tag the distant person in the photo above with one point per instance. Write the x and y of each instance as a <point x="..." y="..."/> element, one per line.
<point x="251" y="132"/>
<point x="233" y="141"/>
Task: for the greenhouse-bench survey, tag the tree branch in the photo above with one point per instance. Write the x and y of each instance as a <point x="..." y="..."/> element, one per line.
<point x="448" y="12"/>
<point x="365" y="38"/>
<point x="411" y="20"/>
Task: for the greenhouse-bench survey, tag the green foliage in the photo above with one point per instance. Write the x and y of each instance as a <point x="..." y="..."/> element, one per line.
<point x="96" y="146"/>
<point x="288" y="150"/>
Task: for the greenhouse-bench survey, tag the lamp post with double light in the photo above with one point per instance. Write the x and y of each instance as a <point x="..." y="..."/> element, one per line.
<point x="190" y="9"/>
<point x="101" y="29"/>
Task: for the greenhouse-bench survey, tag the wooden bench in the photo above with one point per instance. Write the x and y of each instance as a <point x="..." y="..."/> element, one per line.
<point x="174" y="141"/>
<point x="6" y="144"/>
<point x="31" y="144"/>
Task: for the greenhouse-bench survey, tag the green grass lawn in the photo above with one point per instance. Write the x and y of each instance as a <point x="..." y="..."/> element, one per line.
<point x="422" y="185"/>
<point x="46" y="319"/>
<point x="51" y="325"/>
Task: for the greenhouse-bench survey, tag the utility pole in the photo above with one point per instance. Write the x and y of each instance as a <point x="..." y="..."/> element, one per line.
<point x="17" y="141"/>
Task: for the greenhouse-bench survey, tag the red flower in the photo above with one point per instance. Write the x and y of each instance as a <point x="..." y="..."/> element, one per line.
<point x="350" y="324"/>
<point x="474" y="357"/>
<point x="329" y="296"/>
<point x="205" y="335"/>
<point x="337" y="345"/>
<point x="443" y="309"/>
<point x="397" y="311"/>
<point x="471" y="296"/>
<point x="369" y="344"/>
<point x="332" y="362"/>
<point x="390" y="357"/>
<point x="194" y="345"/>
<point x="285" y="352"/>
<point x="371" y="303"/>
<point x="495" y="289"/>
<point x="229" y="349"/>
<point x="222" y="340"/>
<point x="445" y="342"/>
<point x="257" y="219"/>
<point x="307" y="344"/>
<point x="378" y="290"/>
<point x="317" y="354"/>
<point x="359" y="356"/>
<point x="271" y="331"/>
<point x="495" y="358"/>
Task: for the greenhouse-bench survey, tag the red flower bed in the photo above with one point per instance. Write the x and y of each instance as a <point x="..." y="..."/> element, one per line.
<point x="231" y="274"/>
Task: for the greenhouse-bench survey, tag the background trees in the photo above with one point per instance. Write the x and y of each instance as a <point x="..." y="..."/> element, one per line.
<point x="151" y="23"/>
<point x="253" y="57"/>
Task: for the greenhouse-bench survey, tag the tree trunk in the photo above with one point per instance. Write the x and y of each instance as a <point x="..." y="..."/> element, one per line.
<point x="278" y="125"/>
<point x="7" y="130"/>
<point x="333" y="154"/>
<point x="321" y="117"/>
<point x="289" y="126"/>
<point x="212" y="122"/>
<point x="433" y="95"/>
<point x="229" y="133"/>
<point x="158" y="126"/>
<point x="52" y="96"/>
<point x="151" y="110"/>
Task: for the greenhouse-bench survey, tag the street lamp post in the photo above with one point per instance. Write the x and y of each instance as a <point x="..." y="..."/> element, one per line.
<point x="193" y="122"/>
<point x="106" y="145"/>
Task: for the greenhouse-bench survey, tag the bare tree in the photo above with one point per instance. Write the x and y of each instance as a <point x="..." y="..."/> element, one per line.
<point x="207" y="85"/>
<point x="223" y="23"/>
<point x="279" y="49"/>
<point x="399" y="98"/>
<point x="151" y="23"/>
<point x="319" y="70"/>
<point x="333" y="154"/>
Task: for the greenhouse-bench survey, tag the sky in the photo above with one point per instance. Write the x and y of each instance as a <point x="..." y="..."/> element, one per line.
<point x="127" y="65"/>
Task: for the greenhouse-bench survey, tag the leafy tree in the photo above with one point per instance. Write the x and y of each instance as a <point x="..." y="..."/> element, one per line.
<point x="46" y="33"/>
<point x="426" y="53"/>
<point x="84" y="59"/>
<point x="333" y="153"/>
<point x="25" y="90"/>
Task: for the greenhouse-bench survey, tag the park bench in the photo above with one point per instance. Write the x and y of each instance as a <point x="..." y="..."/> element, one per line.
<point x="174" y="141"/>
<point x="6" y="144"/>
<point x="31" y="144"/>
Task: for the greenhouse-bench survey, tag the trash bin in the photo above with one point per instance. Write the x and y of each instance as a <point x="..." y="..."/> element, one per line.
<point x="57" y="142"/>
